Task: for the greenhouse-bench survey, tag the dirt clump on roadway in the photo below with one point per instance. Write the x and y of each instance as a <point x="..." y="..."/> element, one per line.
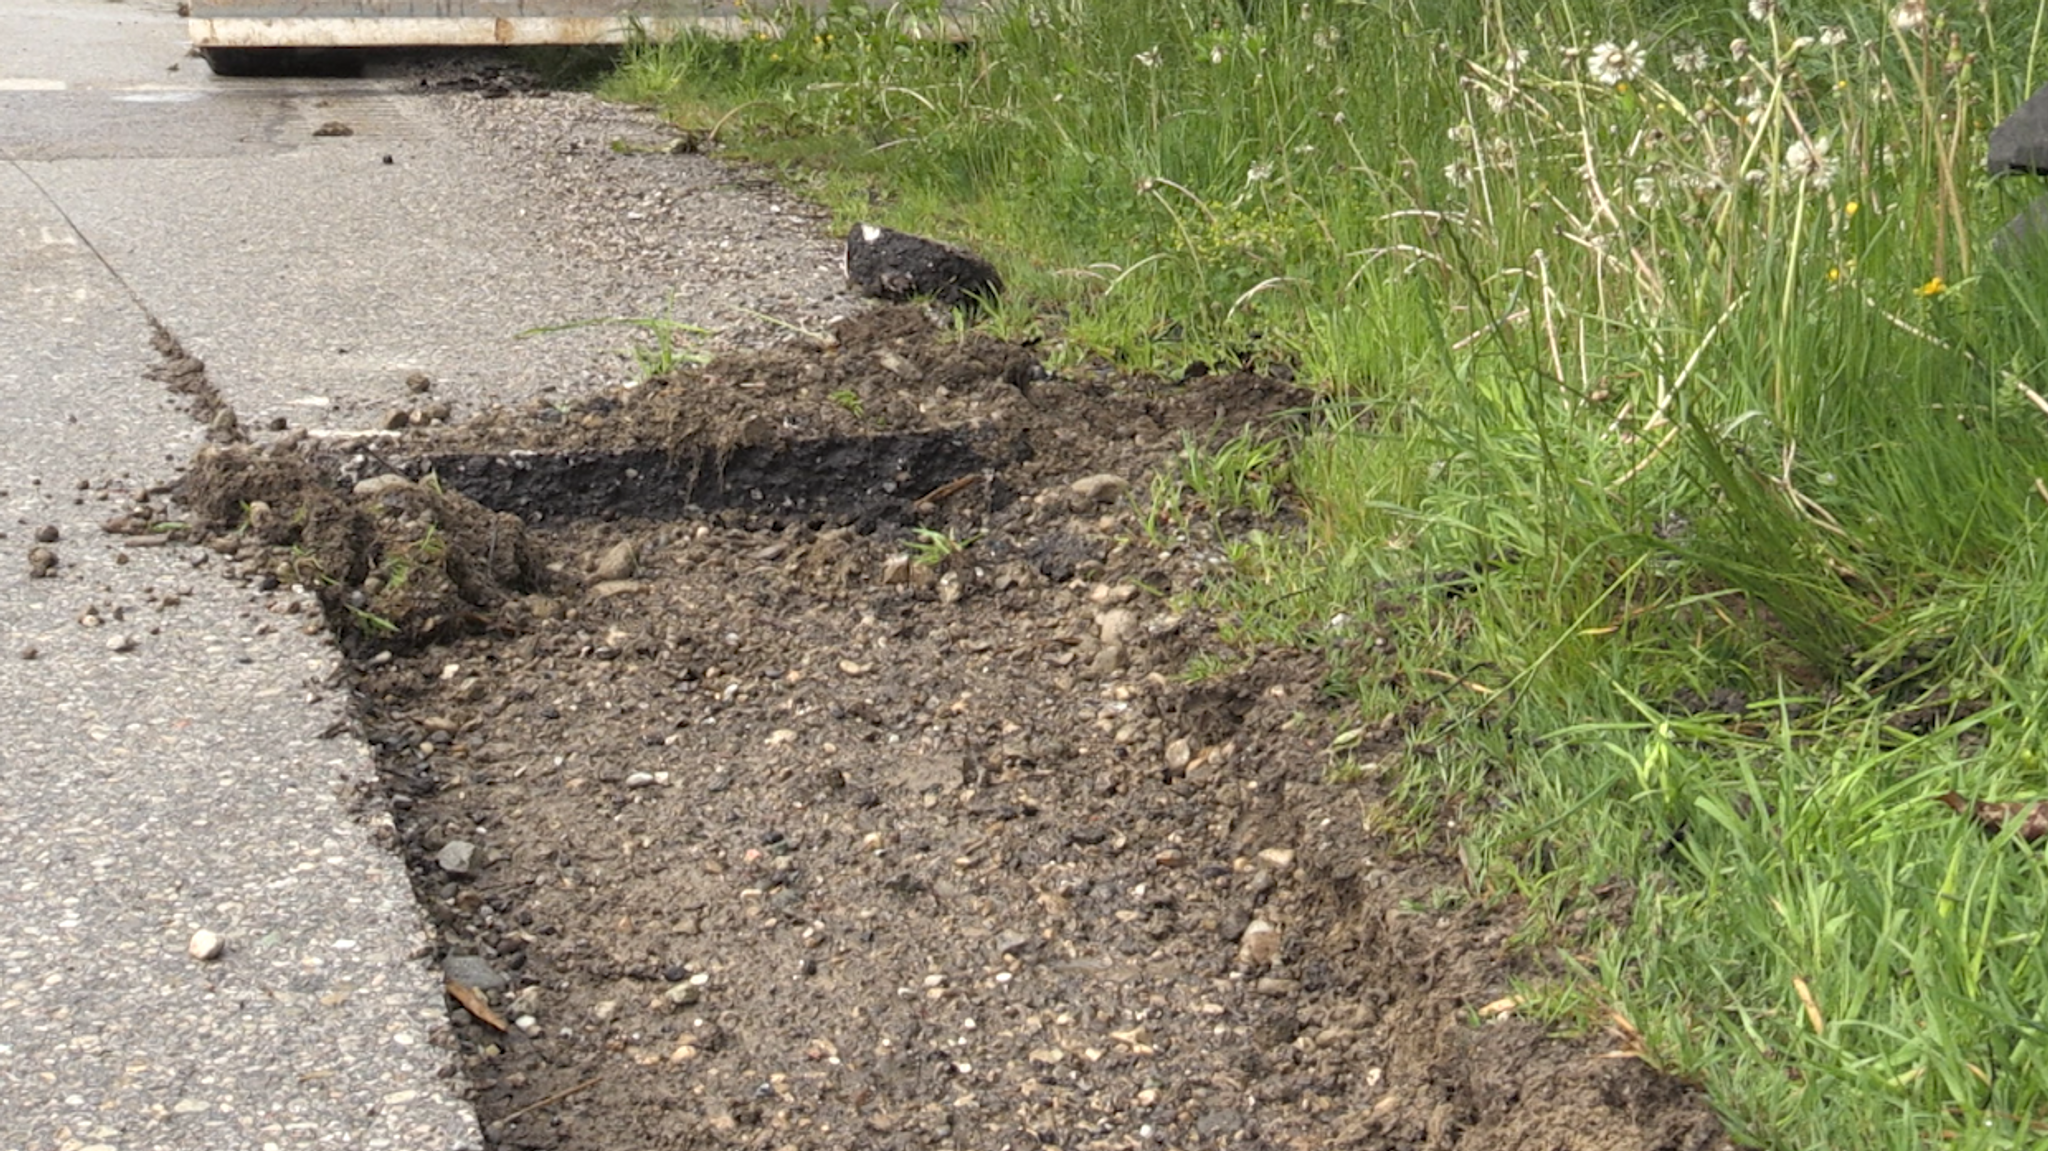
<point x="800" y="752"/>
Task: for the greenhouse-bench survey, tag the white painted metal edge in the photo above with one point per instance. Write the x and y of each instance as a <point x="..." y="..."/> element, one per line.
<point x="475" y="31"/>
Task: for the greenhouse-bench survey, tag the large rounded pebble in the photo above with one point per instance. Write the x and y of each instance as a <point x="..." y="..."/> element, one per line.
<point x="1260" y="944"/>
<point x="378" y="485"/>
<point x="618" y="562"/>
<point x="205" y="946"/>
<point x="1101" y="489"/>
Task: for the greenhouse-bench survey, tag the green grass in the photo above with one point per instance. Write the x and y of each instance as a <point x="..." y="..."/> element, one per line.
<point x="1685" y="456"/>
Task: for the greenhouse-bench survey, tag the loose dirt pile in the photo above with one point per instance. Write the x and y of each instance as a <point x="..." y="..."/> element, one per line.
<point x="796" y="753"/>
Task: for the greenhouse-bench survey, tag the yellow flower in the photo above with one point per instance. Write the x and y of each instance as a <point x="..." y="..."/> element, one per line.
<point x="1851" y="208"/>
<point x="1933" y="288"/>
<point x="1834" y="275"/>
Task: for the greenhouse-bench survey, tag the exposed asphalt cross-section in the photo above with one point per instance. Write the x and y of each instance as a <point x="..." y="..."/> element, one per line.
<point x="163" y="770"/>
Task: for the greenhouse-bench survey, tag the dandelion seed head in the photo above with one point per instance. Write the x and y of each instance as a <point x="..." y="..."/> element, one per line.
<point x="1834" y="36"/>
<point x="1648" y="191"/>
<point x="1808" y="165"/>
<point x="1910" y="15"/>
<point x="1612" y="63"/>
<point x="1258" y="173"/>
<point x="1690" y="60"/>
<point x="1762" y="9"/>
<point x="1738" y="49"/>
<point x="1149" y="57"/>
<point x="1458" y="173"/>
<point x="1216" y="54"/>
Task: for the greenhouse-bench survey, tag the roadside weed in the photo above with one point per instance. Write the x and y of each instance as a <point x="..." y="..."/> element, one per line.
<point x="931" y="547"/>
<point x="667" y="346"/>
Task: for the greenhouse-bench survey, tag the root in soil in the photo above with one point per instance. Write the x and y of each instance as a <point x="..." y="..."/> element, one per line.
<point x="788" y="833"/>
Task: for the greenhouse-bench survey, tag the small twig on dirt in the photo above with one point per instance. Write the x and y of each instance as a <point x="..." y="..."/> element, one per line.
<point x="557" y="1097"/>
<point x="950" y="488"/>
<point x="387" y="465"/>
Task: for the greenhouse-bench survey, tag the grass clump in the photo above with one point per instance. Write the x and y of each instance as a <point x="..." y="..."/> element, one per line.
<point x="1687" y="452"/>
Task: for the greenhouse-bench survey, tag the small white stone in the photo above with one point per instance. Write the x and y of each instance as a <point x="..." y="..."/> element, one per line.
<point x="205" y="946"/>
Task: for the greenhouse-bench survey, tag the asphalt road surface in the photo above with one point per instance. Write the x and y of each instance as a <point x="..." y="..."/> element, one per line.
<point x="163" y="769"/>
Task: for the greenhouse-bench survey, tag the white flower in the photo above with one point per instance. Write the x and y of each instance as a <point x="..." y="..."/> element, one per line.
<point x="1258" y="173"/>
<point x="1802" y="43"/>
<point x="1648" y="191"/>
<point x="1738" y="48"/>
<point x="1910" y="15"/>
<point x="1216" y="54"/>
<point x="1762" y="9"/>
<point x="1834" y="36"/>
<point x="1690" y="60"/>
<point x="1459" y="173"/>
<point x="1513" y="60"/>
<point x="1500" y="100"/>
<point x="1149" y="57"/>
<point x="1613" y="64"/>
<point x="1807" y="163"/>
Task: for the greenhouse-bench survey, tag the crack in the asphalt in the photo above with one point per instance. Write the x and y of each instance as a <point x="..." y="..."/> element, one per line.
<point x="179" y="370"/>
<point x="58" y="206"/>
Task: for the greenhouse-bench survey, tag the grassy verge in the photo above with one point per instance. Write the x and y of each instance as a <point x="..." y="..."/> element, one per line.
<point x="1687" y="455"/>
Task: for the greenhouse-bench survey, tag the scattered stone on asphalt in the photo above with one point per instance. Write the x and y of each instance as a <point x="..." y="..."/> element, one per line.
<point x="121" y="644"/>
<point x="419" y="383"/>
<point x="205" y="946"/>
<point x="42" y="562"/>
<point x="47" y="534"/>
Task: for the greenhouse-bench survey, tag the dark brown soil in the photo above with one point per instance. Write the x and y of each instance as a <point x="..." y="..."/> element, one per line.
<point x="788" y="840"/>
